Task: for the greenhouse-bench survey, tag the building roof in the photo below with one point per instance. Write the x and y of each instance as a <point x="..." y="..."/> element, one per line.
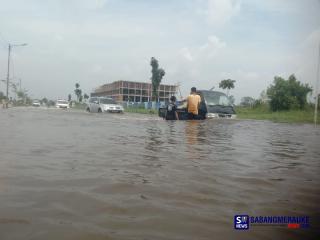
<point x="101" y="87"/>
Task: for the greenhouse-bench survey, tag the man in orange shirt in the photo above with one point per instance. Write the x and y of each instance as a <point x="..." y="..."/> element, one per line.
<point x="193" y="102"/>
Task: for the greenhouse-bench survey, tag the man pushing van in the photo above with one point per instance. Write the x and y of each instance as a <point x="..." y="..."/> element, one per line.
<point x="193" y="104"/>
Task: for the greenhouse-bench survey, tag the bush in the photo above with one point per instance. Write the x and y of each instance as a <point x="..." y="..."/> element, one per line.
<point x="288" y="94"/>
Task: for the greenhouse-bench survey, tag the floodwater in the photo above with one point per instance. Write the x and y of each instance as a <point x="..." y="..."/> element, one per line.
<point x="76" y="175"/>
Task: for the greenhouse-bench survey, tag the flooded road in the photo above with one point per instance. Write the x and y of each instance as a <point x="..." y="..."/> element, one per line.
<point x="75" y="175"/>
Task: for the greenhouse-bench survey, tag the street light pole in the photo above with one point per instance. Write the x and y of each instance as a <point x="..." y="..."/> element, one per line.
<point x="8" y="71"/>
<point x="317" y="92"/>
<point x="10" y="46"/>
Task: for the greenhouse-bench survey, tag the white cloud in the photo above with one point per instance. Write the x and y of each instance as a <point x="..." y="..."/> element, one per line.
<point x="212" y="47"/>
<point x="282" y="6"/>
<point x="219" y="12"/>
<point x="92" y="41"/>
<point x="58" y="37"/>
<point x="185" y="52"/>
<point x="312" y="39"/>
<point x="307" y="59"/>
<point x="208" y="50"/>
<point x="97" y="68"/>
<point x="82" y="4"/>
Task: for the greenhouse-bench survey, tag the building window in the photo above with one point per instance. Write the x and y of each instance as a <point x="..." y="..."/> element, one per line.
<point x="131" y="91"/>
<point x="138" y="92"/>
<point x="125" y="91"/>
<point x="138" y="99"/>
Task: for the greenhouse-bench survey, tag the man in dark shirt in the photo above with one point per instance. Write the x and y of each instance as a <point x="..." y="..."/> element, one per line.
<point x="171" y="113"/>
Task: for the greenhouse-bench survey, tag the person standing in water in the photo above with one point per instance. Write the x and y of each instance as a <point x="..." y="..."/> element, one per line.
<point x="171" y="113"/>
<point x="193" y="104"/>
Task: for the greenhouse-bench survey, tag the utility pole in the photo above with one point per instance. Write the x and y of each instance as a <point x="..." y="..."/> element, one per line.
<point x="8" y="70"/>
<point x="317" y="92"/>
<point x="10" y="46"/>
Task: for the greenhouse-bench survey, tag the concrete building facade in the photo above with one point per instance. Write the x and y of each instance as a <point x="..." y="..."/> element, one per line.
<point x="128" y="91"/>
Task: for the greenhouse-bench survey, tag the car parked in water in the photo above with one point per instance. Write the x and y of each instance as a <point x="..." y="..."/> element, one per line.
<point x="36" y="103"/>
<point x="216" y="104"/>
<point x="62" y="104"/>
<point x="103" y="104"/>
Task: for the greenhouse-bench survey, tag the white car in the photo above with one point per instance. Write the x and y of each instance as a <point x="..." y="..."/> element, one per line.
<point x="62" y="104"/>
<point x="103" y="104"/>
<point x="36" y="103"/>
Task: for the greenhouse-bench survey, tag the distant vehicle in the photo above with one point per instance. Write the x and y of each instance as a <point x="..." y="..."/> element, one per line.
<point x="213" y="104"/>
<point x="62" y="104"/>
<point x="103" y="104"/>
<point x="36" y="103"/>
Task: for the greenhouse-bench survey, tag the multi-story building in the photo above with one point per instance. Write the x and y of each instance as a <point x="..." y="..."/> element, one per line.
<point x="124" y="91"/>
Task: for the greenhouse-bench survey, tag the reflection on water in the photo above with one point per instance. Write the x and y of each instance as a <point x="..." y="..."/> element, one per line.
<point x="74" y="175"/>
<point x="192" y="137"/>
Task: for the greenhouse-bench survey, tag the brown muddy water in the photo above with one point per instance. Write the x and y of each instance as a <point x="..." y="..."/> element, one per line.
<point x="76" y="175"/>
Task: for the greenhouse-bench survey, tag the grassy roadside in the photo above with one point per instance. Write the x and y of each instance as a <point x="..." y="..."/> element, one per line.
<point x="83" y="106"/>
<point x="263" y="113"/>
<point x="259" y="113"/>
<point x="141" y="110"/>
<point x="80" y="106"/>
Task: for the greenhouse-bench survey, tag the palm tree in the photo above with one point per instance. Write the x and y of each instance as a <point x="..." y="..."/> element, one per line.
<point x="78" y="92"/>
<point x="85" y="96"/>
<point x="227" y="84"/>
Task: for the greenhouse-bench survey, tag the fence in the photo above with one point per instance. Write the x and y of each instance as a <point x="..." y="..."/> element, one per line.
<point x="143" y="105"/>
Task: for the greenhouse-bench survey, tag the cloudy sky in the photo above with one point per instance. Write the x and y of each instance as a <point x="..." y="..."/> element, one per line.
<point x="197" y="42"/>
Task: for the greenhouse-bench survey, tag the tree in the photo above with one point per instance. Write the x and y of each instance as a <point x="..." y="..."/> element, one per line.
<point x="85" y="96"/>
<point x="45" y="101"/>
<point x="2" y="96"/>
<point x="287" y="94"/>
<point x="231" y="99"/>
<point x="227" y="84"/>
<point x="157" y="75"/>
<point x="264" y="97"/>
<point x="14" y="88"/>
<point x="51" y="103"/>
<point x="247" y="101"/>
<point x="23" y="96"/>
<point x="69" y="98"/>
<point x="78" y="92"/>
